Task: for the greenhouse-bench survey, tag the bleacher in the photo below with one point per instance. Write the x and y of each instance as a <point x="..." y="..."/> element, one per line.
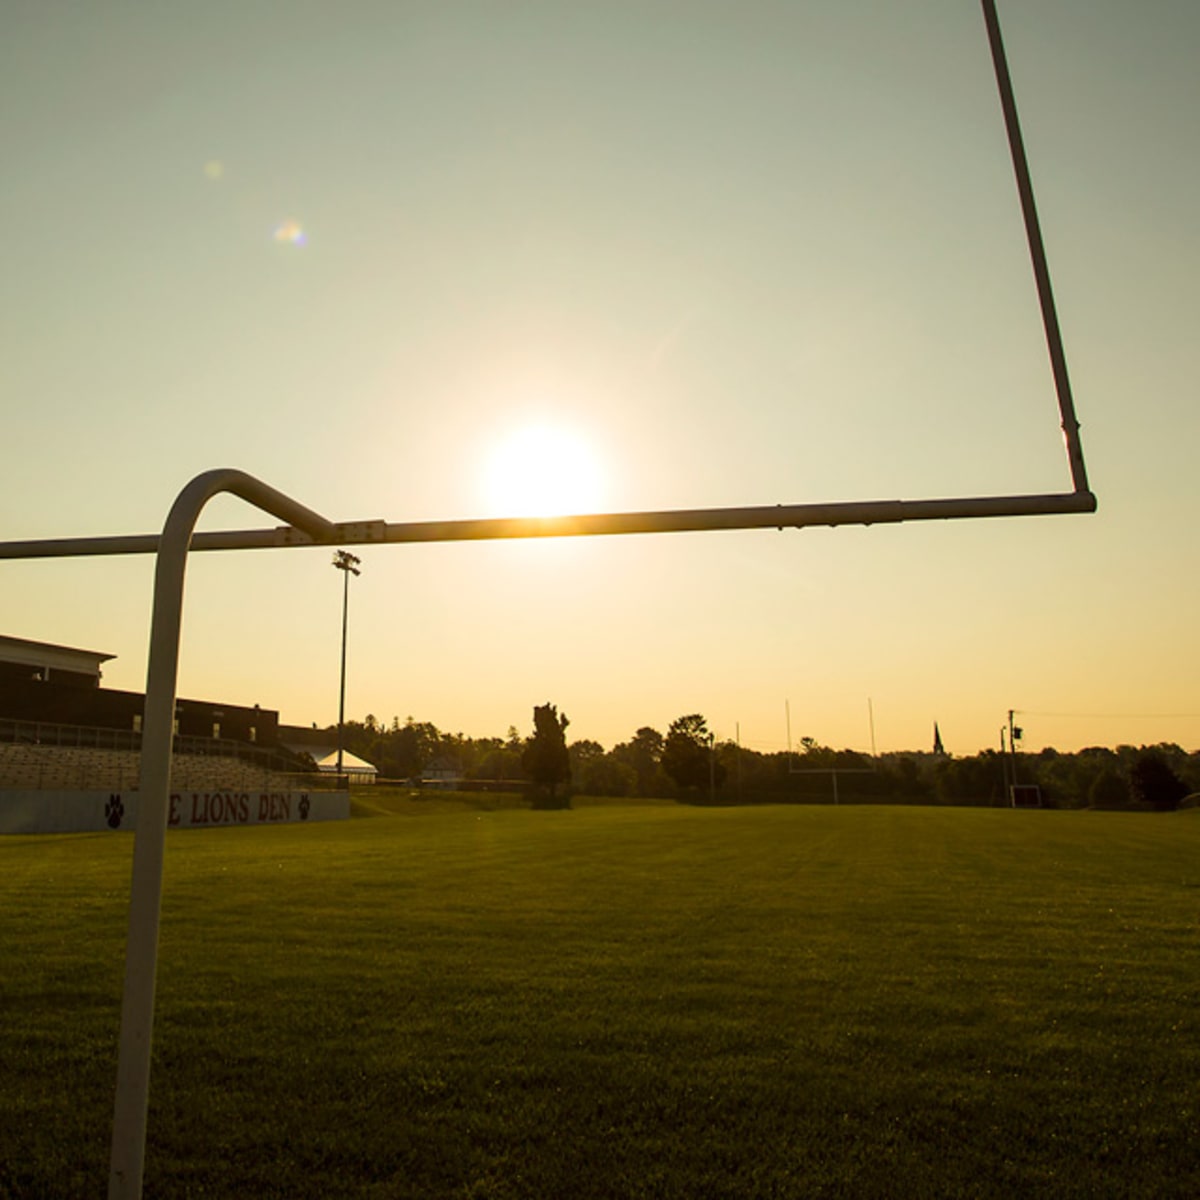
<point x="37" y="756"/>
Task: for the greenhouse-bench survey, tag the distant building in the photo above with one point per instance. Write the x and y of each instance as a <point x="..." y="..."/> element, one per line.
<point x="42" y="683"/>
<point x="25" y="661"/>
<point x="445" y="771"/>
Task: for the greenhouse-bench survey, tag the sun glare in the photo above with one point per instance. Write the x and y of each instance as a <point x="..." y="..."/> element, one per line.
<point x="542" y="472"/>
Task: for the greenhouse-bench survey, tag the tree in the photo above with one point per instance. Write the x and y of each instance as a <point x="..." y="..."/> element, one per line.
<point x="582" y="753"/>
<point x="606" y="776"/>
<point x="687" y="754"/>
<point x="411" y="747"/>
<point x="545" y="759"/>
<point x="1153" y="782"/>
<point x="977" y="780"/>
<point x="643" y="753"/>
<point x="1108" y="790"/>
<point x="498" y="761"/>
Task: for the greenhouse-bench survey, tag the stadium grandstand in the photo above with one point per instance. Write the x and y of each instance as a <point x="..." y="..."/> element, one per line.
<point x="60" y="729"/>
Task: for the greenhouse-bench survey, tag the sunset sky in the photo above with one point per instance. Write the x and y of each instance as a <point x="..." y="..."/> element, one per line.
<point x="395" y="258"/>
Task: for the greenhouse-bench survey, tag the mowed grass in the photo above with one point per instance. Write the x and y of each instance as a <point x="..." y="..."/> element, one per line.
<point x="621" y="1001"/>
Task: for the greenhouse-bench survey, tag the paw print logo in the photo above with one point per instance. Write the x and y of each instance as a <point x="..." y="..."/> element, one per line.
<point x="304" y="808"/>
<point x="114" y="810"/>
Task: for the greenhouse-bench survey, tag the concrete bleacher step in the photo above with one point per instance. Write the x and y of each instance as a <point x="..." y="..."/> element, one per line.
<point x="25" y="766"/>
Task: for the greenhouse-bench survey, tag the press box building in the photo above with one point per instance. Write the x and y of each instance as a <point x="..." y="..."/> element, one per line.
<point x="47" y="684"/>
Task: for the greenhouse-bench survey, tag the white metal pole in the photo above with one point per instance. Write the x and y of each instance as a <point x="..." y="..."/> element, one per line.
<point x="699" y="520"/>
<point x="712" y="769"/>
<point x="141" y="955"/>
<point x="1012" y="754"/>
<point x="342" y="678"/>
<point x="1037" y="251"/>
<point x="737" y="730"/>
<point x="1004" y="766"/>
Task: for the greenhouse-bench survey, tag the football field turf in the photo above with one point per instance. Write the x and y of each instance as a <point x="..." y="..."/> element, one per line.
<point x="621" y="1000"/>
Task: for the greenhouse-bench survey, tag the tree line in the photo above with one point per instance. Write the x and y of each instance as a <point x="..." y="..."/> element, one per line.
<point x="688" y="763"/>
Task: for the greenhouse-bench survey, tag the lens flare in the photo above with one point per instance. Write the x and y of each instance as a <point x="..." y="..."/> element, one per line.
<point x="290" y="233"/>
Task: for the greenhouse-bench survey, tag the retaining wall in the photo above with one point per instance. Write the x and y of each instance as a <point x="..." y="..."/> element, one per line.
<point x="63" y="811"/>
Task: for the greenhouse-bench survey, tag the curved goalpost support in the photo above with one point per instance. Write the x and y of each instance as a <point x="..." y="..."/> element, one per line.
<point x="145" y="897"/>
<point x="306" y="528"/>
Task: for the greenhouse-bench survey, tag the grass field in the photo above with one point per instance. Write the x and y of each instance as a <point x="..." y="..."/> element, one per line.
<point x="653" y="1001"/>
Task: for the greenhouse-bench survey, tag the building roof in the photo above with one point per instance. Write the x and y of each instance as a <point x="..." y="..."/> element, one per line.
<point x="47" y="654"/>
<point x="443" y="764"/>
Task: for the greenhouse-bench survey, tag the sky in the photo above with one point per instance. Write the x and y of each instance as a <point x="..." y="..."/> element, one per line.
<point x="410" y="261"/>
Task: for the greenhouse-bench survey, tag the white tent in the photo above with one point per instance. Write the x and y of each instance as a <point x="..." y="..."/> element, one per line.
<point x="325" y="757"/>
<point x="354" y="767"/>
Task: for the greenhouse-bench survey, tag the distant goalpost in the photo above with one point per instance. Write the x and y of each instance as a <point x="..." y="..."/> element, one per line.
<point x="832" y="772"/>
<point x="304" y="527"/>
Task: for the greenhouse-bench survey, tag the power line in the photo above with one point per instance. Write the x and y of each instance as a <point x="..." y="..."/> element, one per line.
<point x="1027" y="712"/>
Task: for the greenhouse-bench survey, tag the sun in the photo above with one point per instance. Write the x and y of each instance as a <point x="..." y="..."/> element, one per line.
<point x="542" y="471"/>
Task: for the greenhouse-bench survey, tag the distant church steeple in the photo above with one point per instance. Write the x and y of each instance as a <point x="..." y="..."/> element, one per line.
<point x="938" y="748"/>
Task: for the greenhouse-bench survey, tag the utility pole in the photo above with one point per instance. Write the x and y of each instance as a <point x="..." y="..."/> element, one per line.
<point x="1004" y="763"/>
<point x="712" y="768"/>
<point x="1014" y="736"/>
<point x="737" y="729"/>
<point x="347" y="563"/>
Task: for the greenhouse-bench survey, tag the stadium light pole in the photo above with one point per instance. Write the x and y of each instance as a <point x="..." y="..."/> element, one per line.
<point x="348" y="564"/>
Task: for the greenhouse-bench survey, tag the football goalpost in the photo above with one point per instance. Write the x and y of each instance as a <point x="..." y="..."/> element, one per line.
<point x="304" y="527"/>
